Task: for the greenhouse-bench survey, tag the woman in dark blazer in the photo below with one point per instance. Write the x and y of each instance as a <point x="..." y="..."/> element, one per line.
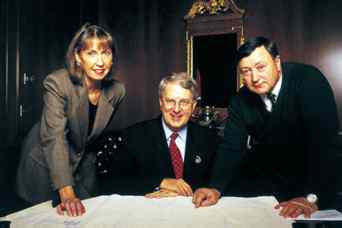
<point x="78" y="103"/>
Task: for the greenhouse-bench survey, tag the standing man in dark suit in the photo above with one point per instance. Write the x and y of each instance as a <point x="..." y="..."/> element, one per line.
<point x="279" y="135"/>
<point x="148" y="164"/>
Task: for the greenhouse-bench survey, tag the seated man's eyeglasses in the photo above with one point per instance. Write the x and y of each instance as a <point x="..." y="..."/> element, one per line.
<point x="183" y="103"/>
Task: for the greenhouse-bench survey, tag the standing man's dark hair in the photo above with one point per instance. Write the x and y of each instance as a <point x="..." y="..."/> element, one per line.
<point x="247" y="48"/>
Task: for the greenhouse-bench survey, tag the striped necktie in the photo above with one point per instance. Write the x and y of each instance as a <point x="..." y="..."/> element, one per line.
<point x="176" y="157"/>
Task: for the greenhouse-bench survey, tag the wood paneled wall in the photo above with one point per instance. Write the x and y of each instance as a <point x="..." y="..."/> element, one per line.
<point x="152" y="43"/>
<point x="151" y="39"/>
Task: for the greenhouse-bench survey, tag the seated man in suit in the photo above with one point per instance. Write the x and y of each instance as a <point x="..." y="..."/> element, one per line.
<point x="287" y="115"/>
<point x="169" y="155"/>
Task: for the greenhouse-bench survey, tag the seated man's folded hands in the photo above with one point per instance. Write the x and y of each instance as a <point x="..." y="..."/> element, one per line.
<point x="162" y="193"/>
<point x="170" y="187"/>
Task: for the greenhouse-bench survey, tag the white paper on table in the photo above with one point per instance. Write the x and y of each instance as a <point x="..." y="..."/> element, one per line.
<point x="323" y="215"/>
<point x="137" y="211"/>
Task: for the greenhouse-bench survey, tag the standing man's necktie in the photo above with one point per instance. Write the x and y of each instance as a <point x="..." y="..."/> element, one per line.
<point x="176" y="157"/>
<point x="272" y="98"/>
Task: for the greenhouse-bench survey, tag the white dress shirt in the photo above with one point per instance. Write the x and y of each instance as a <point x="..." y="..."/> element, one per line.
<point x="180" y="140"/>
<point x="275" y="91"/>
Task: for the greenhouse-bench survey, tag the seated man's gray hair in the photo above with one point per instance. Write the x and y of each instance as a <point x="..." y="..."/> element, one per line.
<point x="182" y="79"/>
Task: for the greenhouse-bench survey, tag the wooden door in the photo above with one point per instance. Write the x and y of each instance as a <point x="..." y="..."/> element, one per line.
<point x="34" y="35"/>
<point x="45" y="30"/>
<point x="3" y="23"/>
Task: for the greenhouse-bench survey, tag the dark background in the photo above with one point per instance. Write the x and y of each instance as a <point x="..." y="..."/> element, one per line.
<point x="34" y="35"/>
<point x="213" y="56"/>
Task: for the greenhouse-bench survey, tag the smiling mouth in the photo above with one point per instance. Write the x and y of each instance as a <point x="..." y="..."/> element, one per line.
<point x="99" y="71"/>
<point x="176" y="117"/>
<point x="258" y="85"/>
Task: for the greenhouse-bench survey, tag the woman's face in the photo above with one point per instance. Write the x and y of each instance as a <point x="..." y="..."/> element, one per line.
<point x="95" y="58"/>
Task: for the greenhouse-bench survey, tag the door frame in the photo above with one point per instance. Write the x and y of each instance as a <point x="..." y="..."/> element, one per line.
<point x="10" y="10"/>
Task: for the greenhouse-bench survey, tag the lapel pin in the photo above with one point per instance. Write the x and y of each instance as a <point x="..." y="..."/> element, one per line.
<point x="198" y="159"/>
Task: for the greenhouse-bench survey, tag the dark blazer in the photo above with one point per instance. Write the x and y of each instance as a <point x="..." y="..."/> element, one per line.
<point x="53" y="154"/>
<point x="292" y="148"/>
<point x="145" y="159"/>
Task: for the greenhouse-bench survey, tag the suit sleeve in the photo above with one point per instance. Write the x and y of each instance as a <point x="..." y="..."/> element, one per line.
<point x="53" y="133"/>
<point x="318" y="114"/>
<point x="230" y="151"/>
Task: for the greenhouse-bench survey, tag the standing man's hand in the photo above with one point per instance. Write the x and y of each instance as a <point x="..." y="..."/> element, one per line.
<point x="204" y="197"/>
<point x="178" y="186"/>
<point x="70" y="203"/>
<point x="295" y="207"/>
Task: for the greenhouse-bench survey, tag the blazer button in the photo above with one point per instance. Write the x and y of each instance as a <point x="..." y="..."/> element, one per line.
<point x="78" y="154"/>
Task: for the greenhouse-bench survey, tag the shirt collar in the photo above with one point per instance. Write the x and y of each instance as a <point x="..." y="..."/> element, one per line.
<point x="168" y="132"/>
<point x="277" y="87"/>
<point x="275" y="90"/>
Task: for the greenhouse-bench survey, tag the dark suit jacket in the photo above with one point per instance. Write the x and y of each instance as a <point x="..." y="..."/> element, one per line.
<point x="145" y="160"/>
<point x="292" y="152"/>
<point x="53" y="154"/>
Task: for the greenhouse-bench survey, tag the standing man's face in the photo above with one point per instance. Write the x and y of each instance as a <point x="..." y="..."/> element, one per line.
<point x="176" y="106"/>
<point x="259" y="71"/>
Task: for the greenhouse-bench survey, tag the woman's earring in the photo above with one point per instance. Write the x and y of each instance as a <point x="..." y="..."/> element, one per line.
<point x="78" y="63"/>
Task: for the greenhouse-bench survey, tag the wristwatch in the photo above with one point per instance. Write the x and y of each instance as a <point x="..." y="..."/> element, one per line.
<point x="312" y="198"/>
